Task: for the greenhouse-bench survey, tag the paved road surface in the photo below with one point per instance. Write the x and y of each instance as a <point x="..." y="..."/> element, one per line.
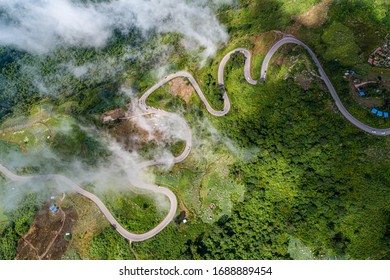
<point x="340" y="106"/>
<point x="71" y="186"/>
<point x="188" y="136"/>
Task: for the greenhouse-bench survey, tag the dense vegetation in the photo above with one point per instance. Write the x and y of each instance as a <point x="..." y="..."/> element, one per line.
<point x="136" y="213"/>
<point x="109" y="245"/>
<point x="315" y="178"/>
<point x="312" y="180"/>
<point x="78" y="144"/>
<point x="19" y="221"/>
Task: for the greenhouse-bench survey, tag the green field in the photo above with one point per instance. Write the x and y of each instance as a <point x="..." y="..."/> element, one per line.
<point x="282" y="176"/>
<point x="136" y="213"/>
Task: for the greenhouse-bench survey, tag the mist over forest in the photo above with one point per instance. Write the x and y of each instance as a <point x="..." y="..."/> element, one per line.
<point x="283" y="175"/>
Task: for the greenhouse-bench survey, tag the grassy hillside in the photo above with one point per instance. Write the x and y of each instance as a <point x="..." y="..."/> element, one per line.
<point x="288" y="175"/>
<point x="312" y="176"/>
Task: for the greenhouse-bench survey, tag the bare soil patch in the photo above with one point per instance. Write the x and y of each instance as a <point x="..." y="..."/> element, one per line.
<point x="135" y="128"/>
<point x="45" y="238"/>
<point x="181" y="88"/>
<point x="280" y="59"/>
<point x="131" y="136"/>
<point x="293" y="29"/>
<point x="263" y="42"/>
<point x="316" y="16"/>
<point x="113" y="115"/>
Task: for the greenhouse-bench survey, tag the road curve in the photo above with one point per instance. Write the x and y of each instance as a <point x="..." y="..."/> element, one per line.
<point x="340" y="106"/>
<point x="122" y="231"/>
<point x="187" y="132"/>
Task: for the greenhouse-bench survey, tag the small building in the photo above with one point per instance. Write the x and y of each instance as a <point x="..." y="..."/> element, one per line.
<point x="380" y="114"/>
<point x="362" y="93"/>
<point x="374" y="111"/>
<point x="53" y="209"/>
<point x="386" y="114"/>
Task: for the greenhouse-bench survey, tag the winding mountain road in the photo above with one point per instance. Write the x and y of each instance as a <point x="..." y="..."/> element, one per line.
<point x="340" y="106"/>
<point x="188" y="136"/>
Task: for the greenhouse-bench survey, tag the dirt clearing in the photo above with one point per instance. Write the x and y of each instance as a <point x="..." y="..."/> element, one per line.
<point x="316" y="16"/>
<point x="132" y="136"/>
<point x="181" y="88"/>
<point x="263" y="42"/>
<point x="45" y="238"/>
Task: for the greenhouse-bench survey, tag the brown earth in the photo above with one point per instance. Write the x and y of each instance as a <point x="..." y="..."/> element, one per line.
<point x="132" y="136"/>
<point x="316" y="16"/>
<point x="293" y="29"/>
<point x="45" y="238"/>
<point x="280" y="59"/>
<point x="129" y="133"/>
<point x="124" y="134"/>
<point x="263" y="42"/>
<point x="113" y="115"/>
<point x="181" y="88"/>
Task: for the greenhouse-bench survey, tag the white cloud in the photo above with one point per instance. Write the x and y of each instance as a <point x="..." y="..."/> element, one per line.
<point x="40" y="26"/>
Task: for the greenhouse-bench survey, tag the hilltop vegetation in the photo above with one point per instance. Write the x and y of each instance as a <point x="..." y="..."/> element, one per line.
<point x="18" y="223"/>
<point x="315" y="177"/>
<point x="289" y="175"/>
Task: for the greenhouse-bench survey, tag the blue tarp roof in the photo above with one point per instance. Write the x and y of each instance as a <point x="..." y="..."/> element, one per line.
<point x="380" y="113"/>
<point x="362" y="93"/>
<point x="386" y="114"/>
<point x="53" y="208"/>
<point x="374" y="110"/>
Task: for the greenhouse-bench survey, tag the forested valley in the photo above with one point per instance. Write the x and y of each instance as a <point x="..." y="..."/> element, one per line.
<point x="294" y="179"/>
